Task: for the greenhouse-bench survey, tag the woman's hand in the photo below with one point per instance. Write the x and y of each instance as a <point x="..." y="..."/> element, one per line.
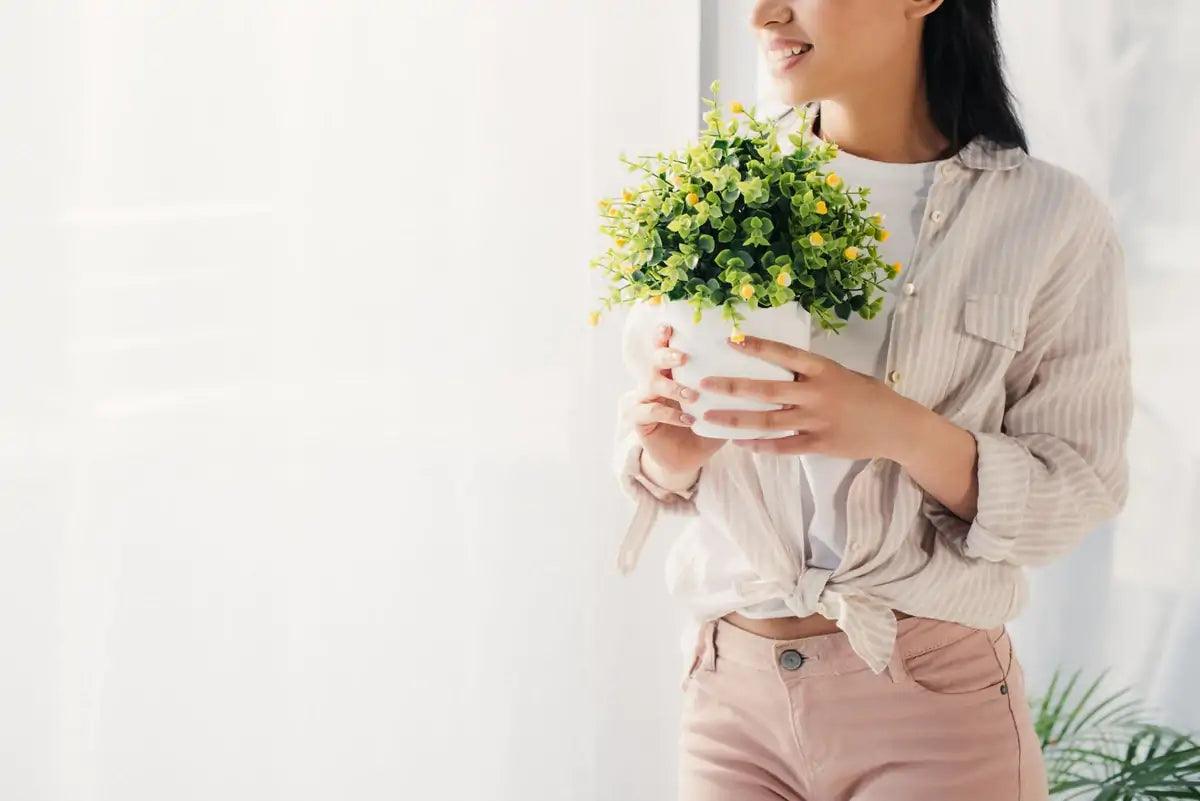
<point x="664" y="429"/>
<point x="835" y="411"/>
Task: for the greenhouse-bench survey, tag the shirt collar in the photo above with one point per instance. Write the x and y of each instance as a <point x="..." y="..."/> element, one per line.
<point x="980" y="153"/>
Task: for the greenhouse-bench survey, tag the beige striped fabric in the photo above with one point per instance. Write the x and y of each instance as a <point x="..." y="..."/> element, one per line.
<point x="1015" y="329"/>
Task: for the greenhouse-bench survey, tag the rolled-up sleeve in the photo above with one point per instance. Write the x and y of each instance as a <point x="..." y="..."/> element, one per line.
<point x="1058" y="467"/>
<point x="650" y="498"/>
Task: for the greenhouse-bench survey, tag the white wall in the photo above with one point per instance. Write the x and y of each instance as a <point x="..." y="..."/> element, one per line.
<point x="728" y="49"/>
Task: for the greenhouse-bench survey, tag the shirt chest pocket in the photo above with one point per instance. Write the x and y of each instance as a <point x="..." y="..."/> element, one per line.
<point x="999" y="319"/>
<point x="989" y="334"/>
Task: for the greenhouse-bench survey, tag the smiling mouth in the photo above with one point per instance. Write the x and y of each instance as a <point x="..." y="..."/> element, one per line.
<point x="785" y="57"/>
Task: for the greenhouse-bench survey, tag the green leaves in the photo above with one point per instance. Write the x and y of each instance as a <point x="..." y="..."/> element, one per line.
<point x="757" y="230"/>
<point x="727" y="231"/>
<point x="755" y="190"/>
<point x="733" y="209"/>
<point x="1098" y="745"/>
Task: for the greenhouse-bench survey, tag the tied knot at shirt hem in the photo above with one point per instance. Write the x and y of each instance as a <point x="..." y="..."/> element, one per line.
<point x="806" y="595"/>
<point x="868" y="622"/>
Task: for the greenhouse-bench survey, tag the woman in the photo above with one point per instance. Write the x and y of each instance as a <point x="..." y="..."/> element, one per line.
<point x="852" y="643"/>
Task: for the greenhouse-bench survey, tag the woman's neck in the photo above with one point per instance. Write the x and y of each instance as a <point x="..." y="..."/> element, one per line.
<point x="885" y="123"/>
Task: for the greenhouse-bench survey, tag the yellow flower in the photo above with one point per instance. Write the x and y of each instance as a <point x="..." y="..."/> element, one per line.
<point x="604" y="204"/>
<point x="747" y="291"/>
<point x="883" y="235"/>
<point x="677" y="180"/>
<point x="655" y="300"/>
<point x="784" y="278"/>
<point x="877" y="219"/>
<point x="851" y="253"/>
<point x="620" y="243"/>
<point x="896" y="267"/>
<point x="612" y="212"/>
<point x="693" y="199"/>
<point x="627" y="195"/>
<point x="737" y="336"/>
<point x="736" y="107"/>
<point x="816" y="239"/>
<point x="821" y="207"/>
<point x="833" y="179"/>
<point x="594" y="318"/>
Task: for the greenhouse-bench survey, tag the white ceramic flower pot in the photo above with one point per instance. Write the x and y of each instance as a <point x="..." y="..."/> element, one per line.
<point x="709" y="354"/>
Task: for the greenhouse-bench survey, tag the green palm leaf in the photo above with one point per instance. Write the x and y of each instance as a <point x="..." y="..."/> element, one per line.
<point x="1107" y="750"/>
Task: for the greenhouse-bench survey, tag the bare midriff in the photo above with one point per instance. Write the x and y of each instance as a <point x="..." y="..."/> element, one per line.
<point x="789" y="628"/>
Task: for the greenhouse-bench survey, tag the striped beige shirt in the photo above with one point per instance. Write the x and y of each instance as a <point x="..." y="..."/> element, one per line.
<point x="1015" y="329"/>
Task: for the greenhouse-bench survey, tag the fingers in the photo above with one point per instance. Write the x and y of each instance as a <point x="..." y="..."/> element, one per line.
<point x="652" y="412"/>
<point x="789" y="392"/>
<point x="661" y="386"/>
<point x="657" y="403"/>
<point x="801" y="442"/>
<point x="789" y="419"/>
<point x="666" y="358"/>
<point x="797" y="360"/>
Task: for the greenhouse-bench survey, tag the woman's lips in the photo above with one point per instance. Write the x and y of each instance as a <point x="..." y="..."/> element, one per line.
<point x="784" y="59"/>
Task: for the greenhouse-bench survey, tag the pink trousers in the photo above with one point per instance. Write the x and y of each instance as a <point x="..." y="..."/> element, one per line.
<point x="806" y="720"/>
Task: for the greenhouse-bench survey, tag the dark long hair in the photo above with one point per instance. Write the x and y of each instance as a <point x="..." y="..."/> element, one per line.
<point x="964" y="76"/>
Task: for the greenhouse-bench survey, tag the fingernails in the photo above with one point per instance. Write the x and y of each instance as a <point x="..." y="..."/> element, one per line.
<point x="674" y="357"/>
<point x="688" y="394"/>
<point x="664" y="330"/>
<point x="686" y="419"/>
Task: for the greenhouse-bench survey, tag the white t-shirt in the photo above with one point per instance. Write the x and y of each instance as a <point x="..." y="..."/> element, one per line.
<point x="898" y="191"/>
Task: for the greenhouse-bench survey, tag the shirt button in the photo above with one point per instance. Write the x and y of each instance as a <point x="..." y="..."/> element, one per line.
<point x="947" y="168"/>
<point x="910" y="288"/>
<point x="893" y="377"/>
<point x="937" y="216"/>
<point x="791" y="659"/>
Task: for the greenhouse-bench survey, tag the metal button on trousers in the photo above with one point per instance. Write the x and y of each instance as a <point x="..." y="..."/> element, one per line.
<point x="791" y="659"/>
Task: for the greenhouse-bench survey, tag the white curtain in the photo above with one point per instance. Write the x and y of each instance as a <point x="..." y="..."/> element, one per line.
<point x="304" y="486"/>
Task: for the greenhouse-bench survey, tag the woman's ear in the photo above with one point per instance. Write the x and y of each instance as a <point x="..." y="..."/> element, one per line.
<point x="918" y="9"/>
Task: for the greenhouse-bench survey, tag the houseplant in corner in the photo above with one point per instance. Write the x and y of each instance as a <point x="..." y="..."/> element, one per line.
<point x="740" y="234"/>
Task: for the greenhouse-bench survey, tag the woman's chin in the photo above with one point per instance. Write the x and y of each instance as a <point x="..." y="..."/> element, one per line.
<point x="792" y="92"/>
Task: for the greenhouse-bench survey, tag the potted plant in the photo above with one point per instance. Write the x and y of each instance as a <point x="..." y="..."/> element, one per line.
<point x="737" y="234"/>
